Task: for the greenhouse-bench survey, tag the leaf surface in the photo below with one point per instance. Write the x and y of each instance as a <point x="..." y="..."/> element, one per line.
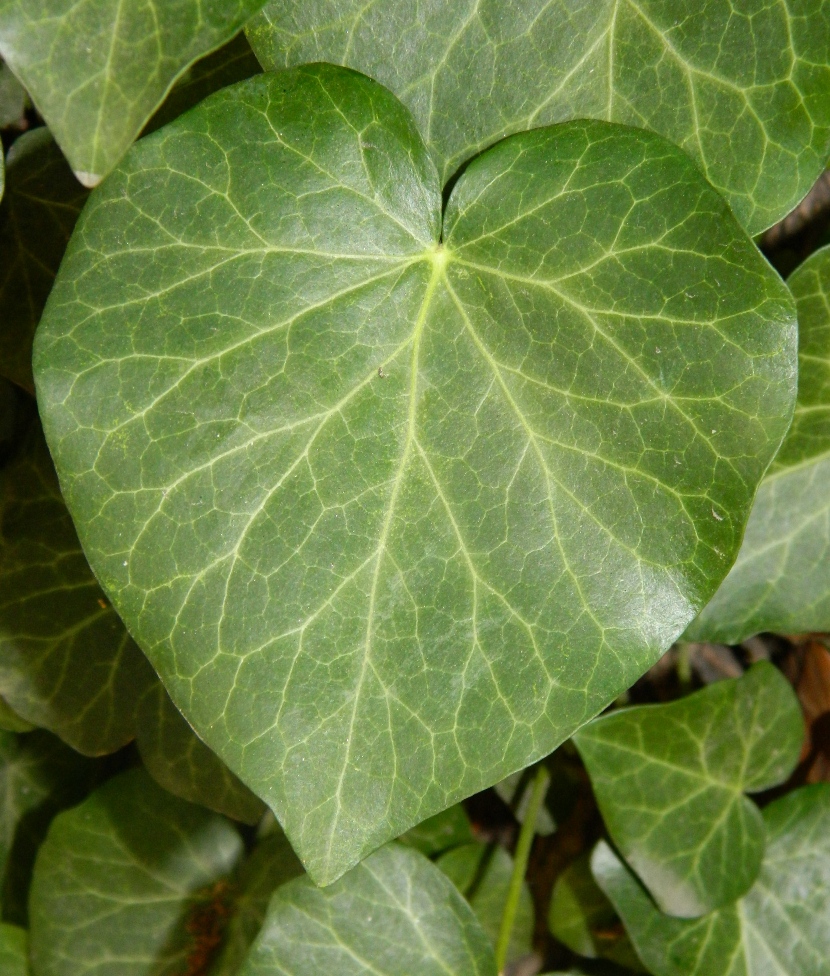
<point x="12" y="98"/>
<point x="779" y="927"/>
<point x="14" y="942"/>
<point x="670" y="782"/>
<point x="447" y="829"/>
<point x="97" y="69"/>
<point x="781" y="579"/>
<point x="119" y="878"/>
<point x="395" y="914"/>
<point x="394" y="504"/>
<point x="745" y="91"/>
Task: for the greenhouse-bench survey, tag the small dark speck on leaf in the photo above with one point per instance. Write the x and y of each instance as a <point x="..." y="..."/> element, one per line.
<point x="381" y="373"/>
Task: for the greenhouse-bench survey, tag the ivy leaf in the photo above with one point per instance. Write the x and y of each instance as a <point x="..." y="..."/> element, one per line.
<point x="11" y="721"/>
<point x="781" y="579"/>
<point x="670" y="782"/>
<point x="746" y="93"/>
<point x="482" y="874"/>
<point x="14" y="945"/>
<point x="393" y="517"/>
<point x="12" y="98"/>
<point x="120" y="878"/>
<point x="393" y="915"/>
<point x="66" y="661"/>
<point x="42" y="203"/>
<point x="780" y="926"/>
<point x="179" y="761"/>
<point x="97" y="71"/>
<point x="447" y="829"/>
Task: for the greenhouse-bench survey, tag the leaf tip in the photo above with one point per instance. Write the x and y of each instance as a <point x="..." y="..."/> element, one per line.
<point x="89" y="180"/>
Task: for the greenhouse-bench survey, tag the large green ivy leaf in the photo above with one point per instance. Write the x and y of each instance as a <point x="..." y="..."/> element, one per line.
<point x="393" y="915"/>
<point x="42" y="203"/>
<point x="14" y="948"/>
<point x="178" y="759"/>
<point x="781" y="579"/>
<point x="745" y="91"/>
<point x="779" y="929"/>
<point x="119" y="878"/>
<point x="66" y="661"/>
<point x="97" y="69"/>
<point x="393" y="517"/>
<point x="670" y="782"/>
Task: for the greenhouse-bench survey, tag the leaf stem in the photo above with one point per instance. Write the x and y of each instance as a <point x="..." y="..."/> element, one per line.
<point x="538" y="787"/>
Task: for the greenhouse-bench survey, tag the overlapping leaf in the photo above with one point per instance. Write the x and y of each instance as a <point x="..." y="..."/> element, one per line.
<point x="42" y="203"/>
<point x="12" y="97"/>
<point x="394" y="504"/>
<point x="781" y="579"/>
<point x="120" y="877"/>
<point x="393" y="915"/>
<point x="11" y="721"/>
<point x="97" y="69"/>
<point x="447" y="829"/>
<point x="779" y="927"/>
<point x="66" y="661"/>
<point x="745" y="91"/>
<point x="670" y="782"/>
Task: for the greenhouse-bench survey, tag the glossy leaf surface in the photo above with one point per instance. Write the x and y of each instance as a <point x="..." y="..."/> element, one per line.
<point x="391" y="517"/>
<point x="39" y="210"/>
<point x="177" y="759"/>
<point x="118" y="878"/>
<point x="781" y="579"/>
<point x="670" y="782"/>
<point x="14" y="944"/>
<point x="97" y="69"/>
<point x="745" y="91"/>
<point x="779" y="927"/>
<point x="66" y="662"/>
<point x="395" y="914"/>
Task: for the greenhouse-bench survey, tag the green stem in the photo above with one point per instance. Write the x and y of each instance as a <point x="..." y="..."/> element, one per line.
<point x="538" y="787"/>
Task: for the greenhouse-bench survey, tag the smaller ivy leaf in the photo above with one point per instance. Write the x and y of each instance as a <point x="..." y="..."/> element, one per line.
<point x="582" y="918"/>
<point x="14" y="951"/>
<point x="272" y="863"/>
<point x="10" y="721"/>
<point x="482" y="874"/>
<point x="670" y="782"/>
<point x="781" y="579"/>
<point x="66" y="661"/>
<point x="97" y="71"/>
<point x="395" y="914"/>
<point x="42" y="203"/>
<point x="126" y="882"/>
<point x="180" y="762"/>
<point x="779" y="927"/>
<point x="437" y="834"/>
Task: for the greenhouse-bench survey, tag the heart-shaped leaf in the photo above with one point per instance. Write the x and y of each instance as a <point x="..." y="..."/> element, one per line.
<point x="120" y="879"/>
<point x="177" y="759"/>
<point x="14" y="951"/>
<point x="780" y="927"/>
<point x="781" y="579"/>
<point x="395" y="503"/>
<point x="670" y="782"/>
<point x="393" y="915"/>
<point x="98" y="70"/>
<point x="746" y="92"/>
<point x="66" y="662"/>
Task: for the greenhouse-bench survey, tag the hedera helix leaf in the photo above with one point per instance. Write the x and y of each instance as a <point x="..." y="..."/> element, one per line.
<point x="670" y="782"/>
<point x="42" y="203"/>
<point x="97" y="69"/>
<point x="66" y="661"/>
<point x="395" y="502"/>
<point x="779" y="927"/>
<point x="393" y="915"/>
<point x="119" y="878"/>
<point x="180" y="762"/>
<point x="745" y="91"/>
<point x="14" y="945"/>
<point x="781" y="579"/>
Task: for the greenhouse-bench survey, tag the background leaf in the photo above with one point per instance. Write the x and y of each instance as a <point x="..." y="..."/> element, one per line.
<point x="447" y="829"/>
<point x="12" y="97"/>
<point x="11" y="721"/>
<point x="670" y="781"/>
<point x="66" y="661"/>
<point x="745" y="92"/>
<point x="39" y="210"/>
<point x="119" y="878"/>
<point x="178" y="759"/>
<point x="780" y="926"/>
<point x="781" y="579"/>
<point x="395" y="914"/>
<point x="97" y="70"/>
<point x="14" y="943"/>
<point x="392" y="519"/>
